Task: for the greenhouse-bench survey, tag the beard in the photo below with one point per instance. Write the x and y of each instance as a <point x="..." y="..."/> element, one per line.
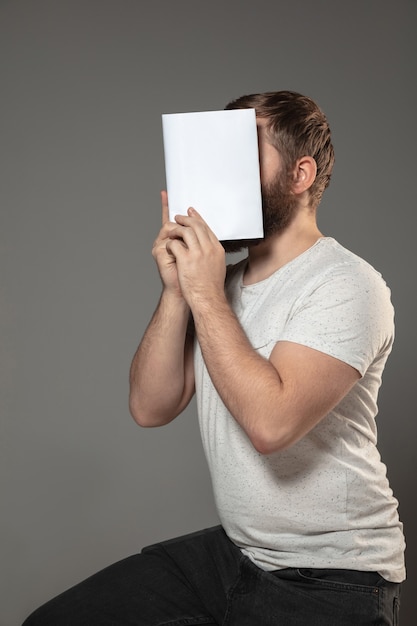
<point x="279" y="206"/>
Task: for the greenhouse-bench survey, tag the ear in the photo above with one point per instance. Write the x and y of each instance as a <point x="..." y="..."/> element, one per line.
<point x="304" y="174"/>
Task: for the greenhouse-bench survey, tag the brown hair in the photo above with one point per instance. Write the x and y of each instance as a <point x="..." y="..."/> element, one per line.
<point x="297" y="127"/>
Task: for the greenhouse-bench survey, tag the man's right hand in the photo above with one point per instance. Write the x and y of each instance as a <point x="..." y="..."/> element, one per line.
<point x="167" y="266"/>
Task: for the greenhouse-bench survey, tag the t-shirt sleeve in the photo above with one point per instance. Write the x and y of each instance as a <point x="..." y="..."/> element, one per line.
<point x="346" y="313"/>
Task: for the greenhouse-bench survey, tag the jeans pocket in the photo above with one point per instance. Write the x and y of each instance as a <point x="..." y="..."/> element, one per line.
<point x="336" y="578"/>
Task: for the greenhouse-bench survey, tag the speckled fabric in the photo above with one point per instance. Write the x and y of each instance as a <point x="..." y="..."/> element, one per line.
<point x="325" y="501"/>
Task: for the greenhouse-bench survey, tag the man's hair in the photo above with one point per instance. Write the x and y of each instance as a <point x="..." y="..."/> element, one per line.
<point x="297" y="127"/>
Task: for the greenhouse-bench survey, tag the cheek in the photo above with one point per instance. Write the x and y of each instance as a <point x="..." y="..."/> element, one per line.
<point x="266" y="173"/>
<point x="270" y="164"/>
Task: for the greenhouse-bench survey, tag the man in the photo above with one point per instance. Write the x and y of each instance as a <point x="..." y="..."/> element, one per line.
<point x="285" y="351"/>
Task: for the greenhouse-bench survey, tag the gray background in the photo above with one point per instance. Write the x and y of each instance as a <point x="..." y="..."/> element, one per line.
<point x="83" y="85"/>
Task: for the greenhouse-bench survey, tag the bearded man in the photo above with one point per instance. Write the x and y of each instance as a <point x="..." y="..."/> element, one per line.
<point x="285" y="351"/>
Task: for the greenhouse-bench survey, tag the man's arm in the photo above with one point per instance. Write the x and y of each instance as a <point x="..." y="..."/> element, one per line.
<point x="276" y="401"/>
<point x="162" y="371"/>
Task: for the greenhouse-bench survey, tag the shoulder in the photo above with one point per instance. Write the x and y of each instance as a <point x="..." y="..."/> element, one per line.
<point x="336" y="266"/>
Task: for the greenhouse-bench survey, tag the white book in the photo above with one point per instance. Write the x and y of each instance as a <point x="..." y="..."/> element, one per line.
<point x="212" y="165"/>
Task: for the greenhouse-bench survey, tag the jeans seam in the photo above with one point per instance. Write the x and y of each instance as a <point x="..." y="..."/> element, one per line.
<point x="188" y="621"/>
<point x="232" y="590"/>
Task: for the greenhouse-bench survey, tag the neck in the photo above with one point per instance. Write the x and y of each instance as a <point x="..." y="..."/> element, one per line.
<point x="271" y="254"/>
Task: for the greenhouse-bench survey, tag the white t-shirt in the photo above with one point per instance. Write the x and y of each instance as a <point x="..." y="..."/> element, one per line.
<point x="324" y="502"/>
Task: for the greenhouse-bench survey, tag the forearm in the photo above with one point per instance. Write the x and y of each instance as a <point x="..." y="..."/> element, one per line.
<point x="161" y="374"/>
<point x="248" y="384"/>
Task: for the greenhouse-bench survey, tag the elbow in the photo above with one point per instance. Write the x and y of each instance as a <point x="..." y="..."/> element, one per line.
<point x="267" y="441"/>
<point x="266" y="446"/>
<point x="140" y="416"/>
<point x="146" y="417"/>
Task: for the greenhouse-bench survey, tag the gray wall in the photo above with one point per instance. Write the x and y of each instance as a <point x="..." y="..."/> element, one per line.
<point x="83" y="85"/>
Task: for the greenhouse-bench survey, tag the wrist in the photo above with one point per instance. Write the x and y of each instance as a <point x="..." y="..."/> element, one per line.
<point x="208" y="302"/>
<point x="174" y="298"/>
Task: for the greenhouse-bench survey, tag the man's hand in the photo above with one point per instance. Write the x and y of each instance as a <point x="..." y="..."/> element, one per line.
<point x="199" y="258"/>
<point x="165" y="260"/>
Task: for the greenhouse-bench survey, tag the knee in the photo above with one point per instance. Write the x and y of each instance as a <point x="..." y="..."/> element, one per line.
<point x="43" y="617"/>
<point x="32" y="620"/>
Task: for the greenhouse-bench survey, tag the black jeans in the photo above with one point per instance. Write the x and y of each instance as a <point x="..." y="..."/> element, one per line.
<point x="203" y="578"/>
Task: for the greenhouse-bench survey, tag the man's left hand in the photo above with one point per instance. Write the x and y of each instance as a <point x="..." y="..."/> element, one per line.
<point x="200" y="258"/>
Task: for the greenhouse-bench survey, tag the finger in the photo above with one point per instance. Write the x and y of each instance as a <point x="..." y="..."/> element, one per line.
<point x="185" y="234"/>
<point x="165" y="208"/>
<point x="191" y="213"/>
<point x="164" y="233"/>
<point x="174" y="247"/>
<point x="197" y="224"/>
